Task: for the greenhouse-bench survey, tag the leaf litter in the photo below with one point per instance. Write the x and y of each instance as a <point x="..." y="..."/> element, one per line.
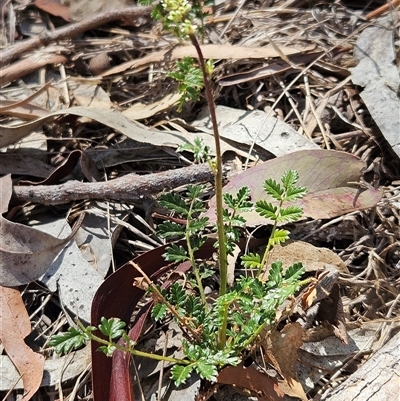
<point x="317" y="102"/>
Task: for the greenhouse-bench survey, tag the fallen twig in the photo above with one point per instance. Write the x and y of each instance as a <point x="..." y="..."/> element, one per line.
<point x="382" y="9"/>
<point x="72" y="30"/>
<point x="129" y="188"/>
<point x="26" y="66"/>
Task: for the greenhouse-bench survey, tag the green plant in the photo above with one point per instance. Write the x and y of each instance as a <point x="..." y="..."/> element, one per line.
<point x="287" y="192"/>
<point x="190" y="79"/>
<point x="217" y="332"/>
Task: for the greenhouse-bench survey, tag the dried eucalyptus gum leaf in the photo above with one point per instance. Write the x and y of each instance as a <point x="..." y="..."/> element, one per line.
<point x="313" y="258"/>
<point x="25" y="252"/>
<point x="255" y="127"/>
<point x="378" y="73"/>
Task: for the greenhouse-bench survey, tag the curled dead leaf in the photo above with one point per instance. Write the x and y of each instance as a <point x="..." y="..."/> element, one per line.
<point x="140" y="282"/>
<point x="25" y="252"/>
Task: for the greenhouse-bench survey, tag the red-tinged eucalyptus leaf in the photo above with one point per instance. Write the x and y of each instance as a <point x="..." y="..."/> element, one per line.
<point x="25" y="252"/>
<point x="328" y="175"/>
<point x="15" y="326"/>
<point x="253" y="380"/>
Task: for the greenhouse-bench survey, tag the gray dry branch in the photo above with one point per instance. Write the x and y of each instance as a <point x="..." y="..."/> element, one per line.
<point x="129" y="188"/>
<point x="72" y="30"/>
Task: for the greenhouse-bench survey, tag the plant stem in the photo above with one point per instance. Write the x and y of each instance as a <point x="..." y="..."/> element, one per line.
<point x="192" y="259"/>
<point x="139" y="353"/>
<point x="269" y="245"/>
<point x="260" y="328"/>
<point x="195" y="270"/>
<point x="162" y="299"/>
<point x="223" y="264"/>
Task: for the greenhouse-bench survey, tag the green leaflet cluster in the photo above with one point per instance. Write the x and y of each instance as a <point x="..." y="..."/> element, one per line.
<point x="248" y="307"/>
<point x="242" y="313"/>
<point x="251" y="304"/>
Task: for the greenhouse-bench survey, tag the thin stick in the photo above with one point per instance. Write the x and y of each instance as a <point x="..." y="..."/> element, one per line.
<point x="382" y="9"/>
<point x="314" y="112"/>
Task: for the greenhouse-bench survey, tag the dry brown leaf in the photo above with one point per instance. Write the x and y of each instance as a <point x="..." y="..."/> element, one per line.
<point x="312" y="257"/>
<point x="281" y="350"/>
<point x="73" y="159"/>
<point x="26" y="112"/>
<point x="215" y="52"/>
<point x="308" y="296"/>
<point x="275" y="68"/>
<point x="23" y="108"/>
<point x="139" y="111"/>
<point x="323" y="304"/>
<point x="21" y="164"/>
<point x="88" y="94"/>
<point x="71" y="366"/>
<point x="253" y="380"/>
<point x="378" y="73"/>
<point x="117" y="121"/>
<point x="25" y="253"/>
<point x="54" y="7"/>
<point x="15" y="326"/>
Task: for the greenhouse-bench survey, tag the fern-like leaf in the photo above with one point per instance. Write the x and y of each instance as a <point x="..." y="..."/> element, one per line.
<point x="280" y="236"/>
<point x="266" y="209"/>
<point x="290" y="213"/>
<point x="180" y="373"/>
<point x="113" y="327"/>
<point x="197" y="225"/>
<point x="174" y="202"/>
<point x="275" y="275"/>
<point x="294" y="272"/>
<point x="194" y="191"/>
<point x="175" y="253"/>
<point x="289" y="178"/>
<point x="295" y="193"/>
<point x="177" y="295"/>
<point x="274" y="189"/>
<point x="206" y="370"/>
<point x="251" y="261"/>
<point x="170" y="229"/>
<point x="159" y="311"/>
<point x="72" y="339"/>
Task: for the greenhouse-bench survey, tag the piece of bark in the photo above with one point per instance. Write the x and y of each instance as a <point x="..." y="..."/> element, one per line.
<point x="376" y="379"/>
<point x="129" y="188"/>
